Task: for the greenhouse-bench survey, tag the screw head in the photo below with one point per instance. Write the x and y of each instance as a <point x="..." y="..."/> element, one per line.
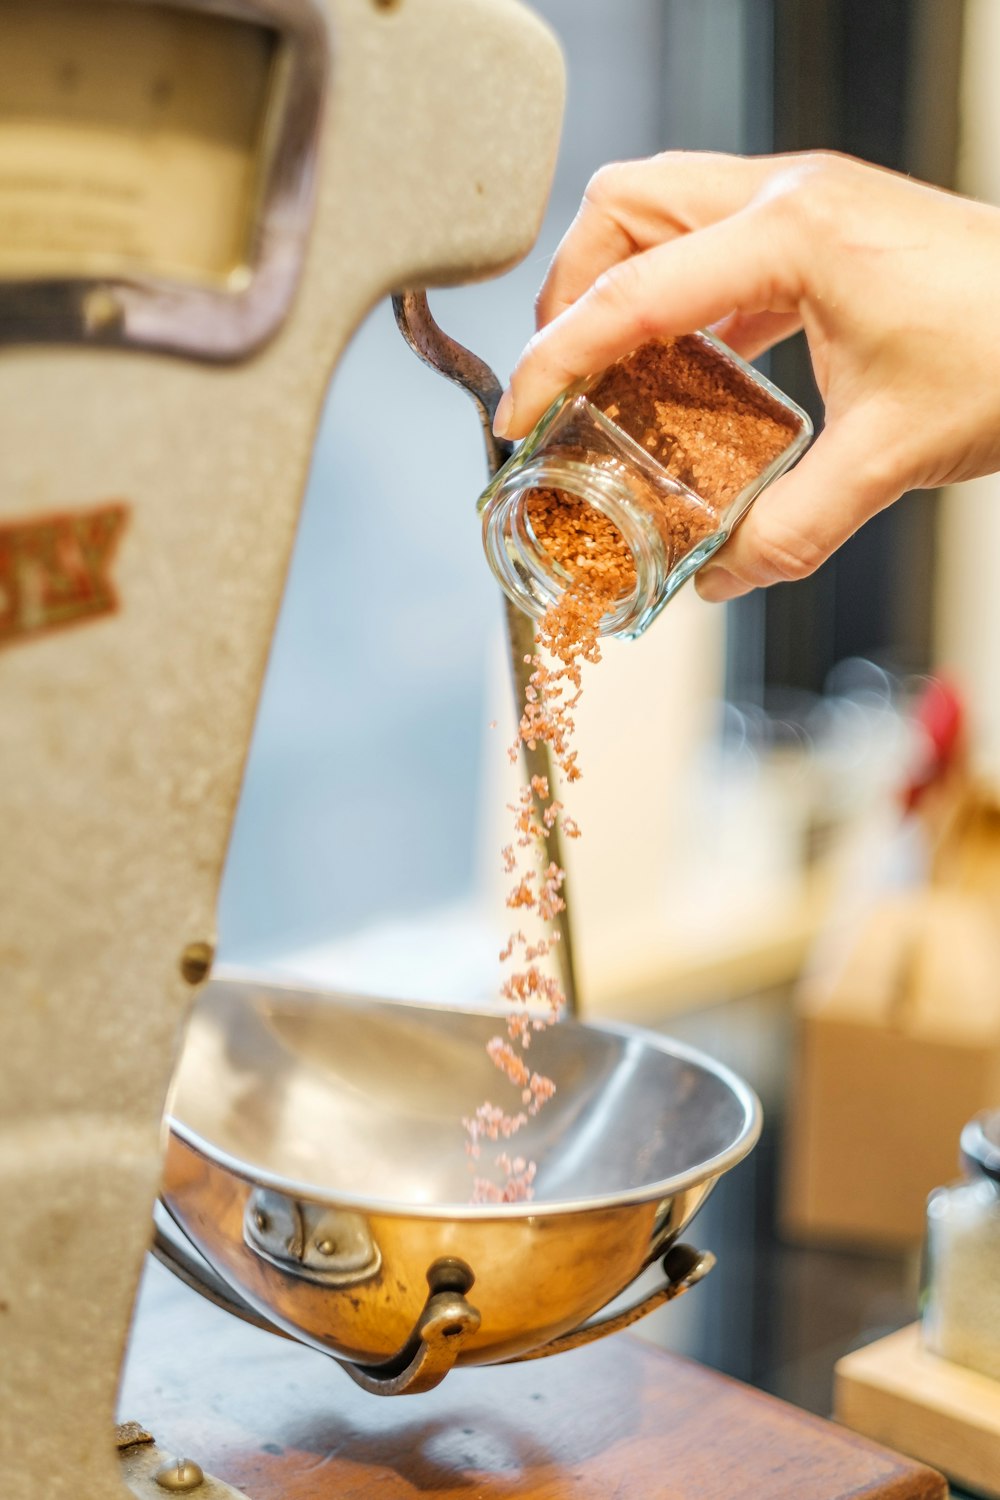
<point x="180" y="1476"/>
<point x="196" y="962"/>
<point x="101" y="310"/>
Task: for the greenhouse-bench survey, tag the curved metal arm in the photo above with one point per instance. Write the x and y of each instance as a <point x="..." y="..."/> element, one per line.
<point x="459" y="365"/>
<point x="456" y="363"/>
<point x="175" y="1252"/>
<point x="683" y="1267"/>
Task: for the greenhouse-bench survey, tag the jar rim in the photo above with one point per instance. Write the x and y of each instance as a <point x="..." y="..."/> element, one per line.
<point x="506" y="512"/>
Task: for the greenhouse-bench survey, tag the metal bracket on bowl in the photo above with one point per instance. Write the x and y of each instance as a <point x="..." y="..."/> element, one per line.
<point x="683" y="1267"/>
<point x="329" y="1246"/>
<point x="445" y="1324"/>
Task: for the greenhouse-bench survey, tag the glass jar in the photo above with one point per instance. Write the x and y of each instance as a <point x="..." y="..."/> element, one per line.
<point x="671" y="444"/>
<point x="961" y="1303"/>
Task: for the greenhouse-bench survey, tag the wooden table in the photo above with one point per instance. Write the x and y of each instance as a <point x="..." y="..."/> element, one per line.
<point x="616" y="1421"/>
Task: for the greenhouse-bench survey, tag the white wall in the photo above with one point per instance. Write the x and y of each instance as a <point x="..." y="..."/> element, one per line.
<point x="968" y="593"/>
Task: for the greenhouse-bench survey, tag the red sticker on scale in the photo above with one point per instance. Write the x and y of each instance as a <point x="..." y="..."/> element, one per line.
<point x="55" y="570"/>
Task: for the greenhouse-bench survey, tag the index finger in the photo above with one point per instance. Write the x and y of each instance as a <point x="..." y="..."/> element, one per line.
<point x="631" y="206"/>
<point x="672" y="289"/>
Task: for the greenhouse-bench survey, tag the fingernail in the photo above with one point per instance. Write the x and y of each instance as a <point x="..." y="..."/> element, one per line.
<point x="716" y="584"/>
<point x="504" y="417"/>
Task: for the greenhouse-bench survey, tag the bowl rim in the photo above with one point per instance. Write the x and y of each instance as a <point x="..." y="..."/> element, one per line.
<point x="667" y="1187"/>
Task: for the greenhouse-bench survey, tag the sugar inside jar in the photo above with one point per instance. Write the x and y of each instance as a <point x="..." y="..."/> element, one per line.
<point x="636" y="476"/>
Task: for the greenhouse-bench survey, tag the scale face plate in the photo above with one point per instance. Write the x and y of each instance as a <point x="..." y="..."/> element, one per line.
<point x="129" y="140"/>
<point x="156" y="166"/>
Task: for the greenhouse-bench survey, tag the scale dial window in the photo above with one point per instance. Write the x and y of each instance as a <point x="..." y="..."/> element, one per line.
<point x="151" y="150"/>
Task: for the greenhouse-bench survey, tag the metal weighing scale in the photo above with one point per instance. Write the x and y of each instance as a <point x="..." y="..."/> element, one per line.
<point x="199" y="202"/>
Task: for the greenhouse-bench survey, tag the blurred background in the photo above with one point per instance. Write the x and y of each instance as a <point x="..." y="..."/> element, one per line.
<point x="368" y="796"/>
<point x="736" y="761"/>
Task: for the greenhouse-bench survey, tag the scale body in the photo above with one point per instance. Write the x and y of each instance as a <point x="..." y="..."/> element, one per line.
<point x="198" y="205"/>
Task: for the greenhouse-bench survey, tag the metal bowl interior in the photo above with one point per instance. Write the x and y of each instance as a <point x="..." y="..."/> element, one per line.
<point x="353" y="1106"/>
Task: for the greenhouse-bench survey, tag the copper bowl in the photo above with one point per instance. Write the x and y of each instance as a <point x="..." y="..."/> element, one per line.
<point x="317" y="1164"/>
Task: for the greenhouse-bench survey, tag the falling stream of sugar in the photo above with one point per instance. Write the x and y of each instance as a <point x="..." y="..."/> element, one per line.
<point x="594" y="553"/>
<point x="707" y="424"/>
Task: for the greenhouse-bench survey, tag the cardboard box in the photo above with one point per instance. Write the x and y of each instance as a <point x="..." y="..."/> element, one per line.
<point x="895" y="1053"/>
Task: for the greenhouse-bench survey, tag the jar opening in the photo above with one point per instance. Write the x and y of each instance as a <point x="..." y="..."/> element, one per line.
<point x="577" y="540"/>
<point x="533" y="547"/>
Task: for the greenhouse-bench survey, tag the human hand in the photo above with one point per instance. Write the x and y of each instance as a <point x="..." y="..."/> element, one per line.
<point x="896" y="284"/>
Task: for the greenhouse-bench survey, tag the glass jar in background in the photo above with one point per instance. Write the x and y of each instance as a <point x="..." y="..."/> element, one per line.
<point x="961" y="1312"/>
<point x="671" y="444"/>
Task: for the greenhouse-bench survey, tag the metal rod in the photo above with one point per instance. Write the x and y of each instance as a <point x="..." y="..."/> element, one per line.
<point x="459" y="365"/>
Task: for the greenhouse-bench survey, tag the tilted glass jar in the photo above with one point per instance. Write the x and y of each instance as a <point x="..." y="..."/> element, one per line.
<point x="671" y="443"/>
<point x="961" y="1300"/>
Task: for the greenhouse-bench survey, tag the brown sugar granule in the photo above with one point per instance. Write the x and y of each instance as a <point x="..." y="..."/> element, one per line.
<point x="714" y="432"/>
<point x="695" y="412"/>
<point x="682" y="520"/>
<point x="567" y="636"/>
<point x="582" y="541"/>
<point x="696" y="415"/>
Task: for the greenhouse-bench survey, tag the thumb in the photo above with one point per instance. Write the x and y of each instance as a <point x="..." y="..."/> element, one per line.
<point x="801" y="519"/>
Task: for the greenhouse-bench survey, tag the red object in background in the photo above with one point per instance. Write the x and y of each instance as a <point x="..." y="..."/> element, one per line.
<point x="940" y="713"/>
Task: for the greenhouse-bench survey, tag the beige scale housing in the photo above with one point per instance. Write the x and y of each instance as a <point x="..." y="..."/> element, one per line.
<point x="199" y="202"/>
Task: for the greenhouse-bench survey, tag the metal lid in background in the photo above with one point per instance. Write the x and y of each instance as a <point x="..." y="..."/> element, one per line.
<point x="980" y="1145"/>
